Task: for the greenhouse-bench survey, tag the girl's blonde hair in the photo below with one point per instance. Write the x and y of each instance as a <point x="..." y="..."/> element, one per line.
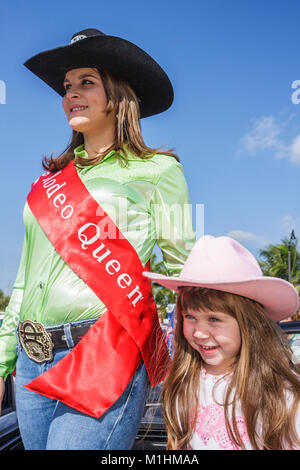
<point x="121" y="100"/>
<point x="263" y="375"/>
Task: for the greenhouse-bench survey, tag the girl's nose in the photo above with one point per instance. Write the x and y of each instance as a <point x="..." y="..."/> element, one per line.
<point x="201" y="333"/>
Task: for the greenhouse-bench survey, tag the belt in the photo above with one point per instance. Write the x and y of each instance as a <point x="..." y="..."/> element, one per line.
<point x="39" y="341"/>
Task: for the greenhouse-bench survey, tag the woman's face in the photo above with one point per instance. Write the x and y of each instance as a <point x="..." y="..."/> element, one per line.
<point x="85" y="102"/>
<point x="216" y="336"/>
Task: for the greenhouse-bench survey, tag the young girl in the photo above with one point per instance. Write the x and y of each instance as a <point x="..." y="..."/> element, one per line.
<point x="232" y="383"/>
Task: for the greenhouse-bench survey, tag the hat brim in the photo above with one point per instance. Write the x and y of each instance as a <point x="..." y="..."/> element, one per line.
<point x="279" y="298"/>
<point x="119" y="57"/>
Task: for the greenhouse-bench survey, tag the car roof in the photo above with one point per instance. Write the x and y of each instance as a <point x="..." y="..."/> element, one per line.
<point x="290" y="326"/>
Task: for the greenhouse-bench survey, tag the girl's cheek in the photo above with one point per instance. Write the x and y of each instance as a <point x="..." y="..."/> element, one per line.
<point x="185" y="331"/>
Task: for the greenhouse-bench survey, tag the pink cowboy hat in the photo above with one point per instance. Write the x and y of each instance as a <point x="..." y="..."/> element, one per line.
<point x="222" y="263"/>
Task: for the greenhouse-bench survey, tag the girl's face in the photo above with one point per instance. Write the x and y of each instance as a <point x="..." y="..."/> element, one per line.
<point x="85" y="101"/>
<point x="216" y="336"/>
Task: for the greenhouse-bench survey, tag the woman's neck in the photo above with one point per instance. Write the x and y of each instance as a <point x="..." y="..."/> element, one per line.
<point x="97" y="144"/>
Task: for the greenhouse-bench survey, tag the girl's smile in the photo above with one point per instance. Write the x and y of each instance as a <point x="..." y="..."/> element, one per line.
<point x="216" y="336"/>
<point x="208" y="349"/>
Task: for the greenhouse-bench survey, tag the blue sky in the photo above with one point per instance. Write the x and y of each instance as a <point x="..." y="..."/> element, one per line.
<point x="233" y="123"/>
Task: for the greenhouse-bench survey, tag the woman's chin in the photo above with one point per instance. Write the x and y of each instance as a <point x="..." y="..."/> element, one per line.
<point x="79" y="123"/>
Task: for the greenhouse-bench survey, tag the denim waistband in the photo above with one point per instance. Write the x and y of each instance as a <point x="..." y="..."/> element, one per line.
<point x="71" y="323"/>
<point x="66" y="327"/>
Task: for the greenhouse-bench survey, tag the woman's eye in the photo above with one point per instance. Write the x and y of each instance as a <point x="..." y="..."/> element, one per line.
<point x="85" y="81"/>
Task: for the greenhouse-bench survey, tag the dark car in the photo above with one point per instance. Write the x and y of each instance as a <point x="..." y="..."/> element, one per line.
<point x="10" y="438"/>
<point x="152" y="433"/>
<point x="292" y="329"/>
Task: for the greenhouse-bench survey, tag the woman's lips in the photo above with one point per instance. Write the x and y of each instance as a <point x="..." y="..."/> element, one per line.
<point x="77" y="109"/>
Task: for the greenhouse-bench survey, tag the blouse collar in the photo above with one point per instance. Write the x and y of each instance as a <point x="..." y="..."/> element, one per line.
<point x="82" y="153"/>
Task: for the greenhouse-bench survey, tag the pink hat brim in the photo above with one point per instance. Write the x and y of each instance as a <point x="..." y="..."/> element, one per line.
<point x="279" y="298"/>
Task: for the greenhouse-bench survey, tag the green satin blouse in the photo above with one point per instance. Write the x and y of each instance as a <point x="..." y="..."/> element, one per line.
<point x="148" y="200"/>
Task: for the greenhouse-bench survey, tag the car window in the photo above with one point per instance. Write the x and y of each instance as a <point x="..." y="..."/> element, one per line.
<point x="10" y="438"/>
<point x="294" y="340"/>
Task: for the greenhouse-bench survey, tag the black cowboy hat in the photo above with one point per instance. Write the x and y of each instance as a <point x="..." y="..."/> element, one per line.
<point x="121" y="58"/>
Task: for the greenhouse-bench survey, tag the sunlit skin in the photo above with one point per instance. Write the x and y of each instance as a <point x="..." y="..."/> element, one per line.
<point x="84" y="104"/>
<point x="217" y="331"/>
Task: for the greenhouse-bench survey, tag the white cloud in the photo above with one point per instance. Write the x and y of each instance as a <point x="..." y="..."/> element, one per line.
<point x="266" y="134"/>
<point x="295" y="150"/>
<point x="289" y="223"/>
<point x="248" y="238"/>
<point x="263" y="134"/>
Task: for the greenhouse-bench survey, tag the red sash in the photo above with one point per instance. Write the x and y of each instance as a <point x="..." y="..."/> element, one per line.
<point x="96" y="372"/>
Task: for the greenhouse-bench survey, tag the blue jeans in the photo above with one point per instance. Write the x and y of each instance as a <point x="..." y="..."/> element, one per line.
<point x="49" y="424"/>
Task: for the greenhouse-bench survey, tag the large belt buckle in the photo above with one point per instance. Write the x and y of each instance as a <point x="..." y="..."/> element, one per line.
<point x="35" y="340"/>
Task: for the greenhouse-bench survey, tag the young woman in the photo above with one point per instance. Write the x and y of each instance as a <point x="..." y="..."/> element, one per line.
<point x="233" y="383"/>
<point x="86" y="322"/>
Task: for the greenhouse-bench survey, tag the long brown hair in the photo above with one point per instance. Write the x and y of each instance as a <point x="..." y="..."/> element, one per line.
<point x="122" y="100"/>
<point x="263" y="375"/>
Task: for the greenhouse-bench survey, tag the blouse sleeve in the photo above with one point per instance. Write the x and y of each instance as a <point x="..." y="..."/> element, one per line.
<point x="173" y="218"/>
<point x="8" y="339"/>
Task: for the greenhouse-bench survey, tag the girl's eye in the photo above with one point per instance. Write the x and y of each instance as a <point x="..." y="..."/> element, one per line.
<point x="214" y="319"/>
<point x="189" y="317"/>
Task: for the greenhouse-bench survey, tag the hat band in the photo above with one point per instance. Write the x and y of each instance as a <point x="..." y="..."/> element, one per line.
<point x="77" y="38"/>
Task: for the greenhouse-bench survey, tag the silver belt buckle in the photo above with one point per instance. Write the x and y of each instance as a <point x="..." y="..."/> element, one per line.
<point x="35" y="340"/>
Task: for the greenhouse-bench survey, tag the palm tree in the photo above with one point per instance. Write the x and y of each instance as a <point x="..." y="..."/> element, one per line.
<point x="3" y="301"/>
<point x="274" y="261"/>
<point x="162" y="295"/>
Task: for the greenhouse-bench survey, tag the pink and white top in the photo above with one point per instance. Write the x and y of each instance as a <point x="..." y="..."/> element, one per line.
<point x="210" y="430"/>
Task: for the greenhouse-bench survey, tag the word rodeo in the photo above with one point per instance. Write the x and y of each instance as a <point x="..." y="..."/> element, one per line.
<point x="88" y="234"/>
<point x="59" y="199"/>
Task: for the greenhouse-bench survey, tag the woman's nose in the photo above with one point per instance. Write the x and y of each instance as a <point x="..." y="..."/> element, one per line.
<point x="72" y="93"/>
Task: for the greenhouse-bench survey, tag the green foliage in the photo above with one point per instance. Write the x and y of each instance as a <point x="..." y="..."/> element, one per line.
<point x="274" y="261"/>
<point x="3" y="301"/>
<point x="162" y="295"/>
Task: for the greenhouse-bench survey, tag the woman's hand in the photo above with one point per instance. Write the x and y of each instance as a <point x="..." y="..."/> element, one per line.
<point x="2" y="390"/>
